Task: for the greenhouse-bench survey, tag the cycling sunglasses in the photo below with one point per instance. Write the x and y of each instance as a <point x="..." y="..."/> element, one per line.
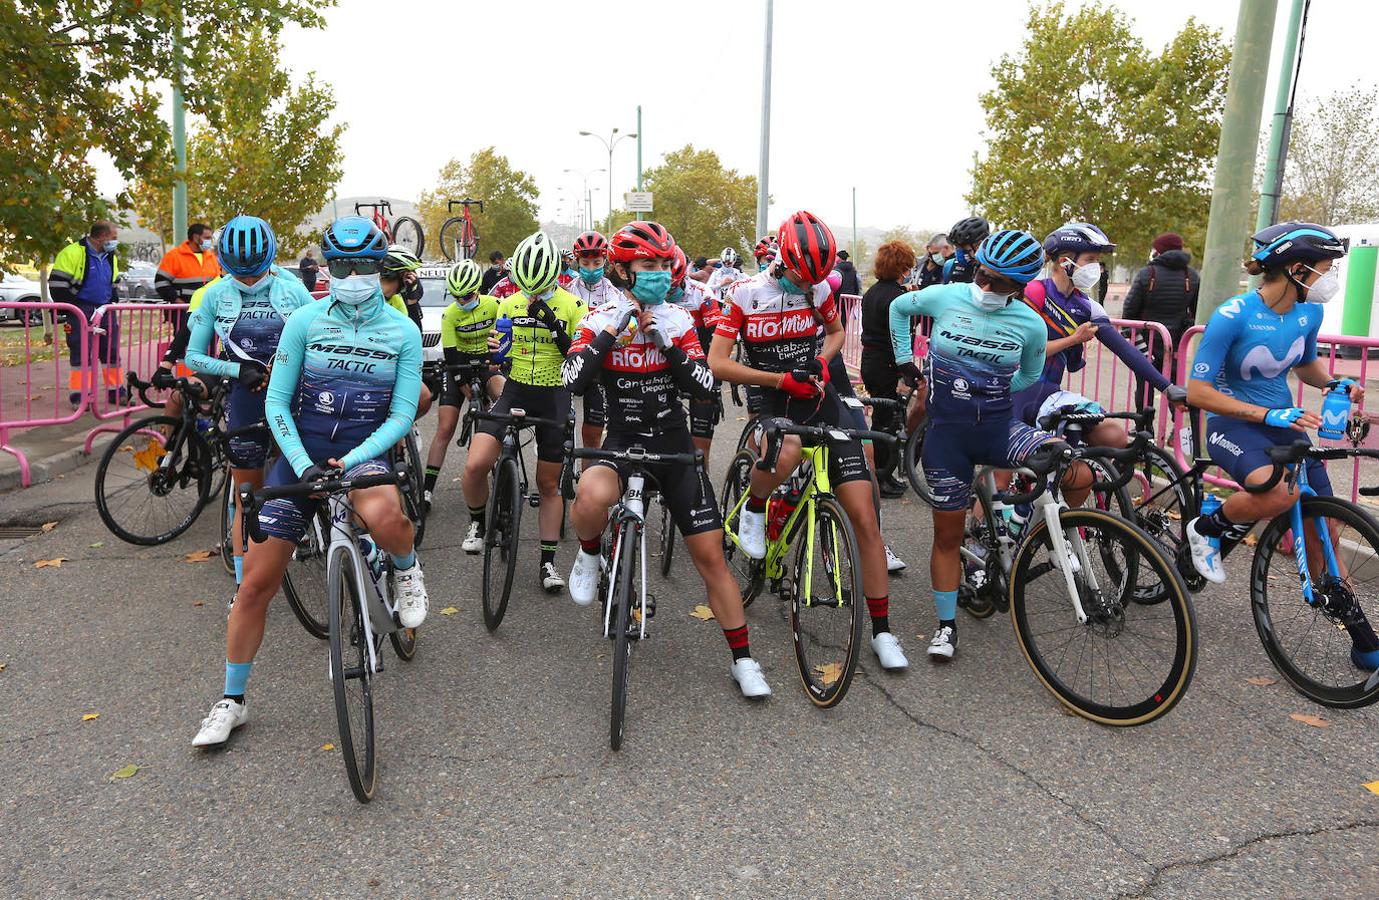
<point x="344" y="268"/>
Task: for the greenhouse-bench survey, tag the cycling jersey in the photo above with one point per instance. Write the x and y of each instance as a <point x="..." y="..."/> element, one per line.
<point x="466" y="331"/>
<point x="722" y="279"/>
<point x="248" y="326"/>
<point x="641" y="384"/>
<point x="345" y="382"/>
<point x="1248" y="349"/>
<point x="780" y="331"/>
<point x="535" y="357"/>
<point x="696" y="300"/>
<point x="955" y="272"/>
<point x="977" y="358"/>
<point x="595" y="295"/>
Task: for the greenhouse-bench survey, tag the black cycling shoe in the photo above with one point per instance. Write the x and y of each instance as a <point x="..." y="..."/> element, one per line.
<point x="892" y="487"/>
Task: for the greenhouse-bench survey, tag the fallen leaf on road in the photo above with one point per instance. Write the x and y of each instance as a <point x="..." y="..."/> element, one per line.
<point x="49" y="526"/>
<point x="1262" y="680"/>
<point x="702" y="612"/>
<point x="1310" y="719"/>
<point x="2" y="667"/>
<point x="1250" y="540"/>
<point x="1372" y="787"/>
<point x="828" y="673"/>
<point x="147" y="458"/>
<point x="90" y="717"/>
<point x="97" y="545"/>
<point x="54" y="563"/>
<point x="198" y="603"/>
<point x="327" y="746"/>
<point x="197" y="556"/>
<point x="449" y="611"/>
<point x="126" y="772"/>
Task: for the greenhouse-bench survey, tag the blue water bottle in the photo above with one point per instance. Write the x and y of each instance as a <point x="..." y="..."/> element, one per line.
<point x="504" y="328"/>
<point x="1336" y="410"/>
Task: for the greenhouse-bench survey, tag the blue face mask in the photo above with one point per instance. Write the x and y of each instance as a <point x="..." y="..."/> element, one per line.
<point x="591" y="276"/>
<point x="470" y="305"/>
<point x="789" y="286"/>
<point x="651" y="288"/>
<point x="258" y="287"/>
<point x="207" y="245"/>
<point x="110" y="246"/>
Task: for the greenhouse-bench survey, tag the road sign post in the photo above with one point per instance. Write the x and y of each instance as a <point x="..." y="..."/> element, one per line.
<point x="637" y="201"/>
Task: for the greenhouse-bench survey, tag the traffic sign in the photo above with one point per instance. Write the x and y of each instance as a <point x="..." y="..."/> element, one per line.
<point x="637" y="201"/>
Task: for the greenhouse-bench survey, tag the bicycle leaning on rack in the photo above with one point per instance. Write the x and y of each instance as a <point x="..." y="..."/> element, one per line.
<point x="459" y="240"/>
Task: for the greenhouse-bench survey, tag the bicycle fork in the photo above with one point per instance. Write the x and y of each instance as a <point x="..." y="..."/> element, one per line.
<point x="1333" y="568"/>
<point x="1068" y="556"/>
<point x="631" y="516"/>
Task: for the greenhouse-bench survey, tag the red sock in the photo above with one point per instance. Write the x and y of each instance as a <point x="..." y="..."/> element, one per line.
<point x="737" y="641"/>
<point x="880" y="609"/>
<point x="591" y="546"/>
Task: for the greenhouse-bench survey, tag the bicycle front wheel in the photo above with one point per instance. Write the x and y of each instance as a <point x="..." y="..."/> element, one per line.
<point x="1316" y="646"/>
<point x="153" y="480"/>
<point x="349" y="671"/>
<point x="414" y="494"/>
<point x="407" y="232"/>
<point x="228" y="502"/>
<point x="622" y="622"/>
<point x="304" y="582"/>
<point x="452" y="239"/>
<point x="748" y="571"/>
<point x="913" y="463"/>
<point x="826" y="609"/>
<point x="1127" y="664"/>
<point x="500" y="541"/>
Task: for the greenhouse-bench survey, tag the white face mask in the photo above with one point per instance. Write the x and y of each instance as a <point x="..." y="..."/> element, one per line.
<point x="1325" y="287"/>
<point x="258" y="287"/>
<point x="1086" y="277"/>
<point x="991" y="302"/>
<point x="355" y="289"/>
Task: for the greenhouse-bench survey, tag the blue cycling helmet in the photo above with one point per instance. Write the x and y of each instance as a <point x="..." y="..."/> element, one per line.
<point x="353" y="237"/>
<point x="1290" y="242"/>
<point x="1076" y="238"/>
<point x="1012" y="254"/>
<point x="247" y="246"/>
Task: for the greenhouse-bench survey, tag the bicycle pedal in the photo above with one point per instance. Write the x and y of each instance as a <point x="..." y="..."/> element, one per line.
<point x="534" y="500"/>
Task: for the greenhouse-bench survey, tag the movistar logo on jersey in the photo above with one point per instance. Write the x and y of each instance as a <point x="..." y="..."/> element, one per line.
<point x="1261" y="359"/>
<point x="1231" y="307"/>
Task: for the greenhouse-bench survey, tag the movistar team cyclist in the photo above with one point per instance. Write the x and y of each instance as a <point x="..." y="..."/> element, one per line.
<point x="778" y="314"/>
<point x="966" y="236"/>
<point x="982" y="349"/>
<point x="465" y="328"/>
<point x="544" y="316"/>
<point x="591" y="286"/>
<point x="402" y="291"/>
<point x="1240" y="377"/>
<point x="246" y="313"/>
<point x="342" y="392"/>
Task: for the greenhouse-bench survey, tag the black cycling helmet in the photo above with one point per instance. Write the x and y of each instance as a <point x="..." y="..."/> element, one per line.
<point x="972" y="230"/>
<point x="1289" y="242"/>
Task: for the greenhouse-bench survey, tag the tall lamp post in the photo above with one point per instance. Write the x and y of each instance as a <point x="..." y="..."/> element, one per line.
<point x="609" y="144"/>
<point x="584" y="190"/>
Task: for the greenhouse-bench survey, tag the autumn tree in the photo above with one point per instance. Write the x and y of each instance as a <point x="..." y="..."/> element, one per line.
<point x="705" y="206"/>
<point x="1087" y="123"/>
<point x="1332" y="173"/>
<point x="509" y="195"/>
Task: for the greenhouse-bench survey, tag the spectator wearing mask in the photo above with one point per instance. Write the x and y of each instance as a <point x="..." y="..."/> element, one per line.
<point x="497" y="269"/>
<point x="937" y="252"/>
<point x="851" y="284"/>
<point x="83" y="275"/>
<point x="894" y="260"/>
<point x="1165" y="291"/>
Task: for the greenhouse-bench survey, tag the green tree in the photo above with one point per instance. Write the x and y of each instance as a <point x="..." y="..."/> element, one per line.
<point x="1332" y="175"/>
<point x="509" y="195"/>
<point x="705" y="206"/>
<point x="1087" y="123"/>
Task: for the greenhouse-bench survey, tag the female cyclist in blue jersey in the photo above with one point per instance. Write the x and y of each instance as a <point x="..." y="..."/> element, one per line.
<point x="246" y="313"/>
<point x="343" y="391"/>
<point x="984" y="347"/>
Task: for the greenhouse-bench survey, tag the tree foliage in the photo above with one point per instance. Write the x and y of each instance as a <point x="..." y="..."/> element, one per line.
<point x="79" y="78"/>
<point x="705" y="206"/>
<point x="1332" y="173"/>
<point x="1086" y="123"/>
<point x="509" y="195"/>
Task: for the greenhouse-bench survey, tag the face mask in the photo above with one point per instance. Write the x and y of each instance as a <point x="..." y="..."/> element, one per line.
<point x="544" y="295"/>
<point x="110" y="246"/>
<point x="1084" y="278"/>
<point x="1325" y="287"/>
<point x="937" y="258"/>
<point x="258" y="287"/>
<point x="471" y="305"/>
<point x="591" y="276"/>
<point x="990" y="302"/>
<point x="355" y="289"/>
<point x="677" y="294"/>
<point x="207" y="245"/>
<point x="651" y="288"/>
<point x="790" y="287"/>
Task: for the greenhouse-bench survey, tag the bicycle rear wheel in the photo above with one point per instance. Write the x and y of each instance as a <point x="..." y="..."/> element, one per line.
<point x="625" y="600"/>
<point x="349" y="671"/>
<point x="667" y="536"/>
<point x="404" y="639"/>
<point x="414" y="493"/>
<point x="912" y="462"/>
<point x="1311" y="645"/>
<point x="748" y="571"/>
<point x="500" y="540"/>
<point x="1127" y="664"/>
<point x="407" y="232"/>
<point x="451" y="234"/>
<point x="305" y="584"/>
<point x="826" y="609"/>
<point x="150" y="487"/>
<point x="1164" y="505"/>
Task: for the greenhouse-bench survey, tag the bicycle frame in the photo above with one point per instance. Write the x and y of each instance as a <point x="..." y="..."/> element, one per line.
<point x="1333" y="568"/>
<point x="379" y="603"/>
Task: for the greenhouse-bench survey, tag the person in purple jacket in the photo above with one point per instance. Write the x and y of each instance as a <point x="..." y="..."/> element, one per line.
<point x="1074" y="253"/>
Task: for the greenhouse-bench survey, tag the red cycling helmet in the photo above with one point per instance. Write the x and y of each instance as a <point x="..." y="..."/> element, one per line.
<point x="807" y="247"/>
<point x="641" y="240"/>
<point x="765" y="248"/>
<point x="679" y="267"/>
<point x="590" y="242"/>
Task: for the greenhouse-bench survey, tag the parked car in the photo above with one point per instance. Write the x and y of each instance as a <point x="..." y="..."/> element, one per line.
<point x="16" y="288"/>
<point x="434" y="300"/>
<point x="322" y="276"/>
<point x="136" y="282"/>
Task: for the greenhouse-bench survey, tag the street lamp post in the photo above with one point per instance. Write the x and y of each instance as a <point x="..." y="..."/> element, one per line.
<point x="584" y="190"/>
<point x="609" y="144"/>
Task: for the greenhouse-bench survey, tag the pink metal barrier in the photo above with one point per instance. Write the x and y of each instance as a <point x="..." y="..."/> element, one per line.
<point x="34" y="391"/>
<point x="852" y="335"/>
<point x="1109" y="381"/>
<point x="136" y="335"/>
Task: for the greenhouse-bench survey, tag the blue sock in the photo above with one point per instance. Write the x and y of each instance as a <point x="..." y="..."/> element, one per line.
<point x="239" y="568"/>
<point x="404" y="562"/>
<point x="236" y="677"/>
<point x="946" y="605"/>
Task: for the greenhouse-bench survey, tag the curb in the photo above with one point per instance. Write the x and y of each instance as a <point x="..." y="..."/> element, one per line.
<point x="48" y="468"/>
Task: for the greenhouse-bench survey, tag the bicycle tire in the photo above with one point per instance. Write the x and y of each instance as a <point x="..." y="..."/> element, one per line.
<point x="449" y="237"/>
<point x="814" y="676"/>
<point x="305" y="577"/>
<point x="404" y="640"/>
<point x="624" y="600"/>
<point x="469" y="240"/>
<point x="227" y="526"/>
<point x="667" y="536"/>
<point x="416" y="485"/>
<point x="349" y="667"/>
<point x="753" y="421"/>
<point x="194" y="471"/>
<point x="1167" y="520"/>
<point x="504" y="522"/>
<point x="749" y="572"/>
<point x="1332" y="612"/>
<point x="407" y="232"/>
<point x="913" y="462"/>
<point x="1032" y="560"/>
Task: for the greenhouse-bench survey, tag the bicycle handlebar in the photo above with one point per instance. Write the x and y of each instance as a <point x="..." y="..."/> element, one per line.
<point x="1144" y="419"/>
<point x="517" y="417"/>
<point x="777" y="428"/>
<point x="1287" y="455"/>
<point x="384" y="205"/>
<point x="451" y="204"/>
<point x="634" y="454"/>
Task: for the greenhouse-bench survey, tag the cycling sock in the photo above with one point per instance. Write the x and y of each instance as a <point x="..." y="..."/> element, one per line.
<point x="946" y="605"/>
<point x="755" y="503"/>
<point x="737" y="642"/>
<point x="477" y="514"/>
<point x="948" y="623"/>
<point x="880" y="608"/>
<point x="1215" y="524"/>
<point x="236" y="677"/>
<point x="432" y="474"/>
<point x="548" y="552"/>
<point x="591" y="546"/>
<point x="404" y="562"/>
<point x="239" y="568"/>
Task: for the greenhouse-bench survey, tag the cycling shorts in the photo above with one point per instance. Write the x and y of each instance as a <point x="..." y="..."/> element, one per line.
<point x="543" y="402"/>
<point x="248" y="450"/>
<point x="1242" y="447"/>
<point x="288" y="517"/>
<point x="452" y="382"/>
<point x="685" y="490"/>
<point x="846" y="461"/>
<point x="754" y="394"/>
<point x="953" y="450"/>
<point x="704" y="415"/>
<point x="595" y="409"/>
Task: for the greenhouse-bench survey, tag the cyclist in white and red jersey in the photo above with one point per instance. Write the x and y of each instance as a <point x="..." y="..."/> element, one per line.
<point x="694" y="298"/>
<point x="778" y="313"/>
<point x="591" y="258"/>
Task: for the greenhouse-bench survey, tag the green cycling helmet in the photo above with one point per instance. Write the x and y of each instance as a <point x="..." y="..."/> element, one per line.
<point x="400" y="259"/>
<point x="535" y="264"/>
<point x="463" y="278"/>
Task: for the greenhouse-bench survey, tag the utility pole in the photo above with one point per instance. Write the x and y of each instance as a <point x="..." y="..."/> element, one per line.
<point x="1289" y="64"/>
<point x="179" y="145"/>
<point x="639" y="147"/>
<point x="854" y="220"/>
<point x="1235" y="155"/>
<point x="764" y="163"/>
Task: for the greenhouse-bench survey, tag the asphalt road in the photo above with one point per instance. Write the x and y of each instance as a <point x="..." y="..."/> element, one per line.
<point x="496" y="778"/>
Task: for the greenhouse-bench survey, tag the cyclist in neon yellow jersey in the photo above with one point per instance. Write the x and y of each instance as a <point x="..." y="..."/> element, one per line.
<point x="402" y="291"/>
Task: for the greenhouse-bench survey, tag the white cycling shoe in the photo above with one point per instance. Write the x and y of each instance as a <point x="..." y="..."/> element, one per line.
<point x="944" y="644"/>
<point x="411" y="596"/>
<point x="751" y="533"/>
<point x="551" y="581"/>
<point x="473" y="539"/>
<point x="224" y="717"/>
<point x="1206" y="554"/>
<point x="584" y="578"/>
<point x="888" y="652"/>
<point x="893" y="562"/>
<point x="747" y="674"/>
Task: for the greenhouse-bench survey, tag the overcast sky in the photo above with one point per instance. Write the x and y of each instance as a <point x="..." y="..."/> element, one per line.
<point x="876" y="94"/>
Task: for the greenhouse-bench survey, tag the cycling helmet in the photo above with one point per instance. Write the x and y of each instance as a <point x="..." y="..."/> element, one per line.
<point x="353" y="237"/>
<point x="1290" y="242"/>
<point x="568" y="258"/>
<point x="807" y="247"/>
<point x="400" y="259"/>
<point x="641" y="240"/>
<point x="679" y="267"/>
<point x="1012" y="254"/>
<point x="535" y="264"/>
<point x="1075" y="238"/>
<point x="765" y="248"/>
<point x="463" y="278"/>
<point x="591" y="242"/>
<point x="246" y="246"/>
<point x="972" y="230"/>
<point x="729" y="257"/>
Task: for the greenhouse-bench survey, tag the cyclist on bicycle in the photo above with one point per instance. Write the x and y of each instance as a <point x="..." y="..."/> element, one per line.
<point x="343" y="390"/>
<point x="591" y="256"/>
<point x="403" y="292"/>
<point x="646" y="355"/>
<point x="778" y="313"/>
<point x="465" y="327"/>
<point x="982" y="349"/>
<point x="965" y="237"/>
<point x="544" y="316"/>
<point x="695" y="299"/>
